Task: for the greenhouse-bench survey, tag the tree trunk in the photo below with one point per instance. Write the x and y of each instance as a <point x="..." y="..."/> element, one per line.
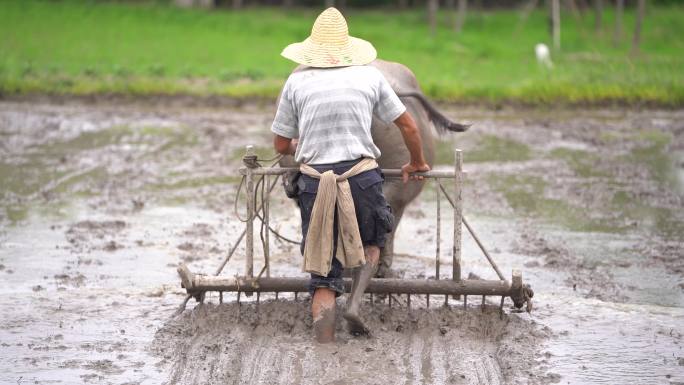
<point x="288" y="3"/>
<point x="636" y="40"/>
<point x="237" y="4"/>
<point x="432" y="6"/>
<point x="583" y="6"/>
<point x="527" y="9"/>
<point x="196" y="3"/>
<point x="598" y="15"/>
<point x="572" y="5"/>
<point x="341" y="5"/>
<point x="556" y="24"/>
<point x="403" y="4"/>
<point x="619" y="11"/>
<point x="461" y="15"/>
<point x="329" y="3"/>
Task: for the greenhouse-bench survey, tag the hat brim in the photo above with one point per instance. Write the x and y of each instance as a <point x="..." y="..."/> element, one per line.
<point x="355" y="52"/>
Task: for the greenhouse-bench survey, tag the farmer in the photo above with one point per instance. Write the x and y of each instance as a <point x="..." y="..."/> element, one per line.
<point x="324" y="120"/>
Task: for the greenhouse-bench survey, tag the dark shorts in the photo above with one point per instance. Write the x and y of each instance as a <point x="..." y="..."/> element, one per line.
<point x="373" y="215"/>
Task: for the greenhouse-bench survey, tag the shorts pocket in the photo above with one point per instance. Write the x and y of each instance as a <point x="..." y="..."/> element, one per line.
<point x="368" y="178"/>
<point x="384" y="222"/>
<point x="307" y="184"/>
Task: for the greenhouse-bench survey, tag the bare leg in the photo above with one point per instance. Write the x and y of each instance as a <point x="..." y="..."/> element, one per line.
<point x="362" y="277"/>
<point x="323" y="312"/>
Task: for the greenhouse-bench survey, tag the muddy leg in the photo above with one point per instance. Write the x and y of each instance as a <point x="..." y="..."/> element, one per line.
<point x="362" y="277"/>
<point x="385" y="267"/>
<point x="323" y="313"/>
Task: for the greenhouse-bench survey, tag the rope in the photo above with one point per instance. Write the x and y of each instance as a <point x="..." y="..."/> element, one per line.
<point x="235" y="201"/>
<point x="252" y="162"/>
<point x="261" y="185"/>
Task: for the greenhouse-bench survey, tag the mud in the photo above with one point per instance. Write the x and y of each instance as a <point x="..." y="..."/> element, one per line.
<point x="99" y="201"/>
<point x="273" y="345"/>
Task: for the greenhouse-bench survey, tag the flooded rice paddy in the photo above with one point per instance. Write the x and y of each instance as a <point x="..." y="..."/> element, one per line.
<point x="100" y="201"/>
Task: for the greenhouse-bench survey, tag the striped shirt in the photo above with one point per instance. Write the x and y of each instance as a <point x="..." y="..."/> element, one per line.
<point x="330" y="111"/>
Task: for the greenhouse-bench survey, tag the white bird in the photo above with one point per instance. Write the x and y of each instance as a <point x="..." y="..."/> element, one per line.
<point x="543" y="55"/>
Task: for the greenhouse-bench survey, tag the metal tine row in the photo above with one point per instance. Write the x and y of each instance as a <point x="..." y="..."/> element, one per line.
<point x="389" y="298"/>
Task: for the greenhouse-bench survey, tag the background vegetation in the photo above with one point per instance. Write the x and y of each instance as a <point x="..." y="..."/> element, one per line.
<point x="80" y="47"/>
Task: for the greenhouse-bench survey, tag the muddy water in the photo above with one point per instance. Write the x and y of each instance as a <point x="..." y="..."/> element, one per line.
<point x="100" y="202"/>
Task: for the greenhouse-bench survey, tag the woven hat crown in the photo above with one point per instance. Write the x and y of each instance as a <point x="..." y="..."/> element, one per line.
<point x="330" y="45"/>
<point x="330" y="28"/>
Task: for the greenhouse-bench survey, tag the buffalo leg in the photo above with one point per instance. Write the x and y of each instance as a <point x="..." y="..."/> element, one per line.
<point x="387" y="255"/>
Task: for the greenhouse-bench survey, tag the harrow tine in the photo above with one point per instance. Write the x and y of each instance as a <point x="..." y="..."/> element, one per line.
<point x="501" y="311"/>
<point x="389" y="298"/>
<point x="239" y="310"/>
<point x="408" y="301"/>
<point x="465" y="302"/>
<point x="220" y="297"/>
<point x="483" y="303"/>
<point x="296" y="292"/>
<point x="276" y="295"/>
<point x="427" y="301"/>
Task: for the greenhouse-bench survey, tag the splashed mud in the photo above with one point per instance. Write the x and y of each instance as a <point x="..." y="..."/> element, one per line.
<point x="99" y="202"/>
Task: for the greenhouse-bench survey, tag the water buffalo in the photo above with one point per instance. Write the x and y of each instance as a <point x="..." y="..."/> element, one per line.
<point x="394" y="153"/>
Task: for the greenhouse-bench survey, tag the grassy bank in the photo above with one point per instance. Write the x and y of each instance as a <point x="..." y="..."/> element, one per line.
<point x="78" y="47"/>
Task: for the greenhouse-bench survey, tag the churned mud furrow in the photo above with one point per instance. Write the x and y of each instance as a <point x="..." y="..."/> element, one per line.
<point x="295" y="359"/>
<point x="451" y="365"/>
<point x="438" y="364"/>
<point x="415" y="358"/>
<point x="426" y="370"/>
<point x="211" y="356"/>
<point x="405" y="368"/>
<point x="257" y="364"/>
<point x="406" y="347"/>
<point x="100" y="201"/>
<point x="282" y="367"/>
<point x="492" y="370"/>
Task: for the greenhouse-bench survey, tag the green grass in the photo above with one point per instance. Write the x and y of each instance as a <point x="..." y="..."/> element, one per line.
<point x="86" y="47"/>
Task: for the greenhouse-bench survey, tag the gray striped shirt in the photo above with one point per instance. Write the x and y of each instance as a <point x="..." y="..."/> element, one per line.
<point x="330" y="110"/>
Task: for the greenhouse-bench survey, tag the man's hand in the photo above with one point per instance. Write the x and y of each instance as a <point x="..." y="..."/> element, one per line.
<point x="410" y="168"/>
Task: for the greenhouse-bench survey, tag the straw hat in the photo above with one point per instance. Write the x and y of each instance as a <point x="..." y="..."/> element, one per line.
<point x="330" y="44"/>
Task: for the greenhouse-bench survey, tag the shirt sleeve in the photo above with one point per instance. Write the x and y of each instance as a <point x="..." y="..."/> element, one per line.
<point x="388" y="106"/>
<point x="285" y="121"/>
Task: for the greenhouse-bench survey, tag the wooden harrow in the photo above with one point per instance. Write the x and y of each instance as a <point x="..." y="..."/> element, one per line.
<point x="197" y="285"/>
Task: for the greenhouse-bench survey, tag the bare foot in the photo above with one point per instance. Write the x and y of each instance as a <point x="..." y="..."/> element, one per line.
<point x="355" y="325"/>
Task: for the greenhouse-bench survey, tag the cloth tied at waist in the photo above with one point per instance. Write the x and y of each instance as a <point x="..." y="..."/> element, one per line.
<point x="334" y="190"/>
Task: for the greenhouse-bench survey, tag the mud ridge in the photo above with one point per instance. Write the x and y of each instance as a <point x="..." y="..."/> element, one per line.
<point x="232" y="343"/>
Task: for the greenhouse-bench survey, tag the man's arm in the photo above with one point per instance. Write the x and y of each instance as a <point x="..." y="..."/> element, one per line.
<point x="411" y="134"/>
<point x="283" y="145"/>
